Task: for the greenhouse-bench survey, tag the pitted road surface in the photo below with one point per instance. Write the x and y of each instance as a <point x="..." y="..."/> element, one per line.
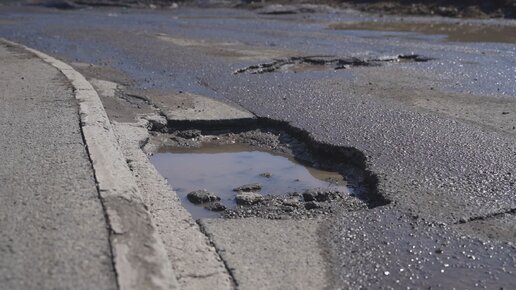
<point x="440" y="135"/>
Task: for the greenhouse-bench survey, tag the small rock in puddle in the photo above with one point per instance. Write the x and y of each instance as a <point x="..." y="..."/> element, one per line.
<point x="201" y="196"/>
<point x="248" y="198"/>
<point x="249" y="187"/>
<point x="266" y="174"/>
<point x="215" y="206"/>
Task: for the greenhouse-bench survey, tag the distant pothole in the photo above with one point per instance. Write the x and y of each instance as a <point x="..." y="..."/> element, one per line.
<point x="283" y="175"/>
<point x="321" y="63"/>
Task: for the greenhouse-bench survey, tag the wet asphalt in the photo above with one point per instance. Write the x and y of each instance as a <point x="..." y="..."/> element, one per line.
<point x="439" y="135"/>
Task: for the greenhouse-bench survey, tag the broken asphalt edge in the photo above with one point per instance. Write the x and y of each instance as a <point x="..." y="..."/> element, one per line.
<point x="139" y="257"/>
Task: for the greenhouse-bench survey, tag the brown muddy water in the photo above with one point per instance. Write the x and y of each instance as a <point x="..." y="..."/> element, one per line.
<point x="221" y="168"/>
<point x="453" y="31"/>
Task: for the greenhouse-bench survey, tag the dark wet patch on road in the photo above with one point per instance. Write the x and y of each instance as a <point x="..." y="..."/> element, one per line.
<point x="322" y="63"/>
<point x="454" y="31"/>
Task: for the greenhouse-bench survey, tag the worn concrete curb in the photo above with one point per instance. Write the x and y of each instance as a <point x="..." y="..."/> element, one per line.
<point x="139" y="257"/>
<point x="195" y="260"/>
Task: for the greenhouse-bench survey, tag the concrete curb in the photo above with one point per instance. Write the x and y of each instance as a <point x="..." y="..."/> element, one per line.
<point x="139" y="257"/>
<point x="195" y="260"/>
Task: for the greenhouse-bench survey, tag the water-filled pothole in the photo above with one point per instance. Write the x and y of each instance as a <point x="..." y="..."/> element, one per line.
<point x="222" y="168"/>
<point x="285" y="177"/>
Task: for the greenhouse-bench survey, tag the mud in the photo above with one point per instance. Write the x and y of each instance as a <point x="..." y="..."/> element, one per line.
<point x="319" y="63"/>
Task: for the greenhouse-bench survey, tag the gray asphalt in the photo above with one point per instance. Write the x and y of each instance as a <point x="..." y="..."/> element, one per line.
<point x="53" y="231"/>
<point x="439" y="135"/>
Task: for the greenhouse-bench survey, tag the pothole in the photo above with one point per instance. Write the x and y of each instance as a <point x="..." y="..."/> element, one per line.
<point x="322" y="63"/>
<point x="240" y="174"/>
<point x="260" y="171"/>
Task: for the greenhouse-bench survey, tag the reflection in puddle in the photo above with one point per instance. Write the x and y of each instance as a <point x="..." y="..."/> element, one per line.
<point x="221" y="168"/>
<point x="454" y="32"/>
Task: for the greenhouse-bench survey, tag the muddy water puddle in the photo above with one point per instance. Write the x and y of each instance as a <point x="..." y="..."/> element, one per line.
<point x="221" y="168"/>
<point x="452" y="31"/>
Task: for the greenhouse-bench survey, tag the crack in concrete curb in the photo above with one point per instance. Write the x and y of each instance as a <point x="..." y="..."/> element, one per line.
<point x="139" y="257"/>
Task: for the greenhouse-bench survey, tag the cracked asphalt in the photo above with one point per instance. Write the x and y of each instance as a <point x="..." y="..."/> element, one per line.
<point x="440" y="135"/>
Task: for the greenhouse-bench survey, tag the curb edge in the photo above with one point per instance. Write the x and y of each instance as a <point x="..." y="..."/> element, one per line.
<point x="139" y="256"/>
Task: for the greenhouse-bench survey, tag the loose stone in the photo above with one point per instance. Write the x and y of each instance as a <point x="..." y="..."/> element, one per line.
<point x="291" y="202"/>
<point x="312" y="205"/>
<point x="215" y="206"/>
<point x="317" y="194"/>
<point x="248" y="198"/>
<point x="266" y="174"/>
<point x="249" y="187"/>
<point x="201" y="196"/>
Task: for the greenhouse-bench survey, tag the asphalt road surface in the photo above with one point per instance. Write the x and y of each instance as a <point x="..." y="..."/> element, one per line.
<point x="438" y="130"/>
